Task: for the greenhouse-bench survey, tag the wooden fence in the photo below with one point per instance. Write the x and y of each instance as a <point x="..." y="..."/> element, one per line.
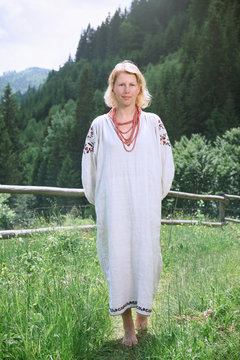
<point x="223" y="200"/>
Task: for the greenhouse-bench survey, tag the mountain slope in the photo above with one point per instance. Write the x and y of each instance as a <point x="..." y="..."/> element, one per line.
<point x="20" y="81"/>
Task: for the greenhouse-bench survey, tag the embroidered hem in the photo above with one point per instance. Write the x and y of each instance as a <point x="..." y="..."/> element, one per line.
<point x="128" y="305"/>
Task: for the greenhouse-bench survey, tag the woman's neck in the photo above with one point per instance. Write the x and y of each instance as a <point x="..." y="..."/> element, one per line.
<point x="125" y="114"/>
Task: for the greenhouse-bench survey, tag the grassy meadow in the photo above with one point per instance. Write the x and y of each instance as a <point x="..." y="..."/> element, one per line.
<point x="54" y="300"/>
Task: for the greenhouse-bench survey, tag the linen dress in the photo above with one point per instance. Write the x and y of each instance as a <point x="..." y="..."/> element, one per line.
<point x="127" y="189"/>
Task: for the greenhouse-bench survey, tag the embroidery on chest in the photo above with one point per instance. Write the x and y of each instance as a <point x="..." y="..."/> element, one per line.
<point x="163" y="134"/>
<point x="90" y="142"/>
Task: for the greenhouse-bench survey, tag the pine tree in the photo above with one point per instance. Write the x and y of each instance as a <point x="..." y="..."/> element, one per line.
<point x="84" y="114"/>
<point x="9" y="138"/>
<point x="9" y="112"/>
<point x="85" y="46"/>
<point x="5" y="153"/>
<point x="113" y="38"/>
<point x="67" y="177"/>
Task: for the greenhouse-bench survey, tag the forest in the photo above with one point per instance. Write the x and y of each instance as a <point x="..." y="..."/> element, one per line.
<point x="21" y="80"/>
<point x="189" y="52"/>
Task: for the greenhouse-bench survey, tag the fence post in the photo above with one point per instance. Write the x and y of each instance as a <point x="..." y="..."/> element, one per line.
<point x="221" y="210"/>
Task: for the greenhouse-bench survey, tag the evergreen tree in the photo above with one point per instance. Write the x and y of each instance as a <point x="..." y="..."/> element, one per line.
<point x="9" y="113"/>
<point x="31" y="140"/>
<point x="113" y="38"/>
<point x="84" y="115"/>
<point x="57" y="142"/>
<point x="9" y="138"/>
<point x="85" y="46"/>
<point x="6" y="163"/>
<point x="101" y="39"/>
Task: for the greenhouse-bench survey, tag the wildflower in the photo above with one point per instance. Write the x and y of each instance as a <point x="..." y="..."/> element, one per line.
<point x="35" y="304"/>
<point x="4" y="268"/>
<point x="91" y="238"/>
<point x="20" y="240"/>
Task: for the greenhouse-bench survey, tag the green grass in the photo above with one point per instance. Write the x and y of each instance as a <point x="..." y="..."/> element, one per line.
<point x="54" y="300"/>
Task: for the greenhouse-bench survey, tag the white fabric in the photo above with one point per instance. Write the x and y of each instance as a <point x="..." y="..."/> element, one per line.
<point x="127" y="189"/>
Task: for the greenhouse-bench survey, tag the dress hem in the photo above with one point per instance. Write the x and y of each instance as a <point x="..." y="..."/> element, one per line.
<point x="131" y="304"/>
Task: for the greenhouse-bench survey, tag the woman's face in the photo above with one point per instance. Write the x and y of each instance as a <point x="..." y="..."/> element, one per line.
<point x="126" y="89"/>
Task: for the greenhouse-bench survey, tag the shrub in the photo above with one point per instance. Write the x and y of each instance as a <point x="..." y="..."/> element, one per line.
<point x="7" y="215"/>
<point x="193" y="165"/>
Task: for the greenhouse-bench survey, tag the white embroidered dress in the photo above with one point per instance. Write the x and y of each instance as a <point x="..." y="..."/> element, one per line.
<point x="127" y="189"/>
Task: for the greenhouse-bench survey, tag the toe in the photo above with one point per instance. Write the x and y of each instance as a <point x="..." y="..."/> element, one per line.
<point x="130" y="341"/>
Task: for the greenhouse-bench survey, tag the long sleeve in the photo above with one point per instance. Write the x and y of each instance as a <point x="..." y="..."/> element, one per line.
<point x="167" y="160"/>
<point x="89" y="165"/>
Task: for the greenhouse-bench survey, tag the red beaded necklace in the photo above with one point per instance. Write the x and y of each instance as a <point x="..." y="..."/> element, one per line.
<point x="133" y="130"/>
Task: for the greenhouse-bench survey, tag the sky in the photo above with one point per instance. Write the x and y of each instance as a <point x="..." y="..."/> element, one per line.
<point x="43" y="33"/>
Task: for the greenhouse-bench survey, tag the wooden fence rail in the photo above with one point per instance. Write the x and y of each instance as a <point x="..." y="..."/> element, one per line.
<point x="41" y="190"/>
<point x="190" y="196"/>
<point x="223" y="200"/>
<point x="56" y="191"/>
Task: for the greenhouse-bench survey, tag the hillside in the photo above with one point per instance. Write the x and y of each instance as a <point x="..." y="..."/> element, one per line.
<point x="20" y="81"/>
<point x="188" y="50"/>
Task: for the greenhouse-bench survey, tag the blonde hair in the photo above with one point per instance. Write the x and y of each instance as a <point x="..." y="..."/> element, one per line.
<point x="144" y="98"/>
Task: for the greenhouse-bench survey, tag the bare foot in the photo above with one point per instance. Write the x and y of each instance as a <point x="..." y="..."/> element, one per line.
<point x="129" y="338"/>
<point x="141" y="322"/>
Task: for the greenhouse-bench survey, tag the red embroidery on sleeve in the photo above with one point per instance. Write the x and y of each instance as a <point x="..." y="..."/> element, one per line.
<point x="90" y="142"/>
<point x="163" y="134"/>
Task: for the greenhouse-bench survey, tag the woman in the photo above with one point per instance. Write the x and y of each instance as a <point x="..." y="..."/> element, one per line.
<point x="127" y="169"/>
